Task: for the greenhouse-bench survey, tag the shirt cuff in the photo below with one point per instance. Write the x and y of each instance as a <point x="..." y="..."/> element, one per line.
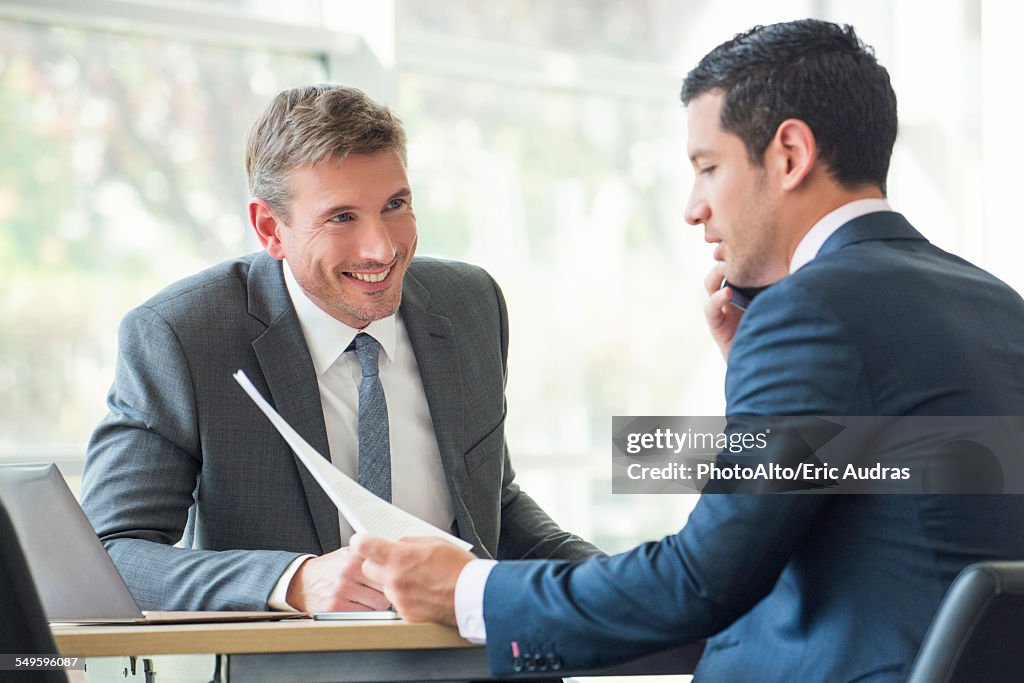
<point x="278" y="599"/>
<point x="469" y="600"/>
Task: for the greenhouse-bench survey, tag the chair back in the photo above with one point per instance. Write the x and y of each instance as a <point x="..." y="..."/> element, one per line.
<point x="978" y="632"/>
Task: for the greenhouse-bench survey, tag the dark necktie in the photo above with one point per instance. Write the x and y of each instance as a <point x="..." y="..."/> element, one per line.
<point x="374" y="444"/>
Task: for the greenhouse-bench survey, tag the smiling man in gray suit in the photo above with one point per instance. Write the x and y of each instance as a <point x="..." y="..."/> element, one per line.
<point x="183" y="454"/>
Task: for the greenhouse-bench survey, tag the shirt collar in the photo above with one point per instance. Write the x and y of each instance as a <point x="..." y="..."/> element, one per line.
<point x="808" y="247"/>
<point x="328" y="337"/>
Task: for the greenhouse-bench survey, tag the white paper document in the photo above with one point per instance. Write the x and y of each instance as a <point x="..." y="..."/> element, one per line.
<point x="364" y="511"/>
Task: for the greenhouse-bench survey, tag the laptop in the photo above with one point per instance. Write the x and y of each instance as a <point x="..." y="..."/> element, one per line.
<point x="75" y="577"/>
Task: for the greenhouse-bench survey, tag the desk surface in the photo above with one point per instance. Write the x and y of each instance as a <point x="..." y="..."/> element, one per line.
<point x="272" y="652"/>
<point x="301" y="635"/>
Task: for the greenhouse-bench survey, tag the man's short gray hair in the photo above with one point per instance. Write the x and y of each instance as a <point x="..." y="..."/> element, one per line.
<point x="310" y="124"/>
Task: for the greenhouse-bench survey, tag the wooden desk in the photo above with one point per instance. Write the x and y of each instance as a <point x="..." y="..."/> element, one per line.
<point x="299" y="635"/>
<point x="344" y="651"/>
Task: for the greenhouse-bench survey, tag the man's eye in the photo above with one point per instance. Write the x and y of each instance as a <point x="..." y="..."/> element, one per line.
<point x="342" y="218"/>
<point x="707" y="170"/>
<point x="397" y="203"/>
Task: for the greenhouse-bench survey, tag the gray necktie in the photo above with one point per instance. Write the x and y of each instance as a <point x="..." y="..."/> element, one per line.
<point x="374" y="445"/>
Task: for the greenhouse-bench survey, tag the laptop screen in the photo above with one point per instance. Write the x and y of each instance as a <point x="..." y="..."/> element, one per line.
<point x="74" y="575"/>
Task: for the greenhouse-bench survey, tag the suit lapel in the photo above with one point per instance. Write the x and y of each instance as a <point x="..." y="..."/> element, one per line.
<point x="288" y="369"/>
<point x="434" y="345"/>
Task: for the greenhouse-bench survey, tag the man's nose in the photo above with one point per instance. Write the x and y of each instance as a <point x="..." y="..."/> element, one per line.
<point x="374" y="242"/>
<point x="697" y="210"/>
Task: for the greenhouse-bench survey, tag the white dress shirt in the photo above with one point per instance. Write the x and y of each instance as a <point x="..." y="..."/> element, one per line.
<point x="469" y="589"/>
<point x="418" y="483"/>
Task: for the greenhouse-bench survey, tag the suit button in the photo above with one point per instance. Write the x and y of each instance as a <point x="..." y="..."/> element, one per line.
<point x="554" y="661"/>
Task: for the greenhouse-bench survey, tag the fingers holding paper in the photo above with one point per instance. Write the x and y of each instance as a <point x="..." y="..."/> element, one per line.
<point x="418" y="575"/>
<point x="335" y="582"/>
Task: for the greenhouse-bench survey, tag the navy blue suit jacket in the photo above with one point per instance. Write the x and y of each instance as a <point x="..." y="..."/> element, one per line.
<point x="812" y="587"/>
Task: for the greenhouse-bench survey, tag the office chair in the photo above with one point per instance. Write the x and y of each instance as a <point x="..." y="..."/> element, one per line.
<point x="978" y="632"/>
<point x="23" y="626"/>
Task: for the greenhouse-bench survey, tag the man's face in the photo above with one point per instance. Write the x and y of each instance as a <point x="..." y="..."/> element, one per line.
<point x="732" y="199"/>
<point x="351" y="235"/>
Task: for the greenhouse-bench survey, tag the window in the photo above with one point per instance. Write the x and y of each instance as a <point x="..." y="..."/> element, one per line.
<point x="546" y="143"/>
<point x="120" y="171"/>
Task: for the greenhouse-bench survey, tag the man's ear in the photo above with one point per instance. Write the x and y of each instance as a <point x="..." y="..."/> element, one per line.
<point x="792" y="153"/>
<point x="267" y="226"/>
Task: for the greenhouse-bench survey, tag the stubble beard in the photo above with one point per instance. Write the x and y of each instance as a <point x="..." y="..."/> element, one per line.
<point x="382" y="305"/>
<point x="760" y="264"/>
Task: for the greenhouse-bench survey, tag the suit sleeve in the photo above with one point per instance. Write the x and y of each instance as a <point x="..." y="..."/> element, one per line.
<point x="789" y="358"/>
<point x="141" y="472"/>
<point x="527" y="531"/>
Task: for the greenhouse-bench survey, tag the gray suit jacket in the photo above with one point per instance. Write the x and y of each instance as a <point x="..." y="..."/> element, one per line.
<point x="183" y="451"/>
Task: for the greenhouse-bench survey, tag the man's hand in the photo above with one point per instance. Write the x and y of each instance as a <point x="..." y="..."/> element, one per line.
<point x="334" y="583"/>
<point x="418" y="574"/>
<point x="723" y="318"/>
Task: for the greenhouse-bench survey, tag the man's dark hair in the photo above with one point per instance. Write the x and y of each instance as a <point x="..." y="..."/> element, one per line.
<point x="811" y="70"/>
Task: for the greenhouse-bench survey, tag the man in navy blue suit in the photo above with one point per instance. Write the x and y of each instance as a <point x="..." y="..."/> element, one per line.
<point x="791" y="128"/>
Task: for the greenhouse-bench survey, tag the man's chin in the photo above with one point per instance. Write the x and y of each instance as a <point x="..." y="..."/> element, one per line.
<point x="366" y="314"/>
<point x="752" y="280"/>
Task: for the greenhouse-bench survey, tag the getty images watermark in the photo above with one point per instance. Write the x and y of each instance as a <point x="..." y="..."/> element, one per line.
<point x="808" y="454"/>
